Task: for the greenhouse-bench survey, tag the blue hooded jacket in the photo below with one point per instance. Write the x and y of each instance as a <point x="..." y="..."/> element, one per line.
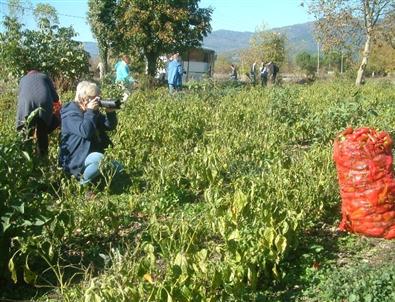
<point x="82" y="133"/>
<point x="122" y="72"/>
<point x="174" y="73"/>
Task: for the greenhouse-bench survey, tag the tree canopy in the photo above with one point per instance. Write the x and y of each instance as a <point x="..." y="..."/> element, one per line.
<point x="306" y="62"/>
<point x="154" y="27"/>
<point x="341" y="22"/>
<point x="51" y="49"/>
<point x="45" y="11"/>
<point x="265" y="46"/>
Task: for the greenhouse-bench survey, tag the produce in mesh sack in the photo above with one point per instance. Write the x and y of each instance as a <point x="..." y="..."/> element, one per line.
<point x="367" y="187"/>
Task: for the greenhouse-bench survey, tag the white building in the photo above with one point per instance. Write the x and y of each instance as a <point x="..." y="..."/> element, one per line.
<point x="198" y="63"/>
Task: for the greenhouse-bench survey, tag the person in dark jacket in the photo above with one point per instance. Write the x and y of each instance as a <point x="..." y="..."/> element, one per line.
<point x="233" y="73"/>
<point x="83" y="134"/>
<point x="275" y="72"/>
<point x="264" y="72"/>
<point x="36" y="90"/>
<point x="272" y="70"/>
<point x="253" y="73"/>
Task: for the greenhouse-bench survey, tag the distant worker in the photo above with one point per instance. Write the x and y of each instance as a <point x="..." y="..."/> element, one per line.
<point x="100" y="68"/>
<point x="123" y="76"/>
<point x="272" y="70"/>
<point x="161" y="71"/>
<point x="253" y="73"/>
<point x="174" y="73"/>
<point x="233" y="72"/>
<point x="263" y="72"/>
<point x="36" y="91"/>
<point x="275" y="72"/>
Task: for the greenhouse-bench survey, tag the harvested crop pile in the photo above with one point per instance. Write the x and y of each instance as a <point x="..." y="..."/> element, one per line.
<point x="364" y="168"/>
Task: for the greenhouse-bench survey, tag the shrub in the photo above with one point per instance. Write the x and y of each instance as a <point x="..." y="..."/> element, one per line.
<point x="362" y="283"/>
<point x="50" y="49"/>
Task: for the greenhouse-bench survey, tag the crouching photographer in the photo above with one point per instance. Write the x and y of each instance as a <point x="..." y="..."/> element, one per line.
<point x="83" y="133"/>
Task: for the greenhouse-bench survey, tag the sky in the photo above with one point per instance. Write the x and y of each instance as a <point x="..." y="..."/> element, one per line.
<point x="237" y="15"/>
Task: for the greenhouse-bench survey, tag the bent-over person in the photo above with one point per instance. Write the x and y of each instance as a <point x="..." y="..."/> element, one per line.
<point x="36" y="90"/>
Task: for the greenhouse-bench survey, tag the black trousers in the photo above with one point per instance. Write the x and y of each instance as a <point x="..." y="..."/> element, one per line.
<point x="263" y="80"/>
<point x="40" y="130"/>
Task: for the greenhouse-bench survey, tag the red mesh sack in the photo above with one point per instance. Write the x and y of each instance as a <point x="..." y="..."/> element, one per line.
<point x="363" y="160"/>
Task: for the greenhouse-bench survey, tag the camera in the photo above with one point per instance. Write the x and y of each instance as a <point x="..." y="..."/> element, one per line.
<point x="111" y="104"/>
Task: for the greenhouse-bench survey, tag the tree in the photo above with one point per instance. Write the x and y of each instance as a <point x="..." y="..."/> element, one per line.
<point x="155" y="27"/>
<point x="102" y="16"/>
<point x="222" y="64"/>
<point x="17" y="8"/>
<point x="12" y="55"/>
<point x="339" y="22"/>
<point x="382" y="58"/>
<point x="337" y="61"/>
<point x="306" y="63"/>
<point x="51" y="49"/>
<point x="45" y="12"/>
<point x="265" y="46"/>
<point x="386" y="29"/>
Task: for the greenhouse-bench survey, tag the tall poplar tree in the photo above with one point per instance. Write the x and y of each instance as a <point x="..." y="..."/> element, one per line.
<point x="339" y="20"/>
<point x="102" y="17"/>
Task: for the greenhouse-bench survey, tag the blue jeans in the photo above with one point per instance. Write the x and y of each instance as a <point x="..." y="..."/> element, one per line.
<point x="92" y="167"/>
<point x="172" y="88"/>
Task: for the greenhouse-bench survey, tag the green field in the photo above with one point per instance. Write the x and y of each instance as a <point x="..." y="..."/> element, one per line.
<point x="230" y="194"/>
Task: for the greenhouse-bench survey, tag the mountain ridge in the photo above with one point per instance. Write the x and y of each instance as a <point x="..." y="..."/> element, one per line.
<point x="299" y="38"/>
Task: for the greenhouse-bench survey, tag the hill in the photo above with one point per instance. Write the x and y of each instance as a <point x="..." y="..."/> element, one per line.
<point x="92" y="48"/>
<point x="300" y="38"/>
<point x="227" y="40"/>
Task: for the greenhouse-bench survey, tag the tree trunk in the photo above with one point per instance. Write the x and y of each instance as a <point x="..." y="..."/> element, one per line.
<point x="151" y="61"/>
<point x="342" y="63"/>
<point x="104" y="58"/>
<point x="318" y="59"/>
<point x="365" y="57"/>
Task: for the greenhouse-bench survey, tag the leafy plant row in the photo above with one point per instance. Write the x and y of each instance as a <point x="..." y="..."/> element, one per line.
<point x="221" y="184"/>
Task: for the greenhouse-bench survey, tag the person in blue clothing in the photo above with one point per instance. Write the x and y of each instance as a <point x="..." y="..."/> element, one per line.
<point x="174" y="73"/>
<point x="83" y="134"/>
<point x="123" y="76"/>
